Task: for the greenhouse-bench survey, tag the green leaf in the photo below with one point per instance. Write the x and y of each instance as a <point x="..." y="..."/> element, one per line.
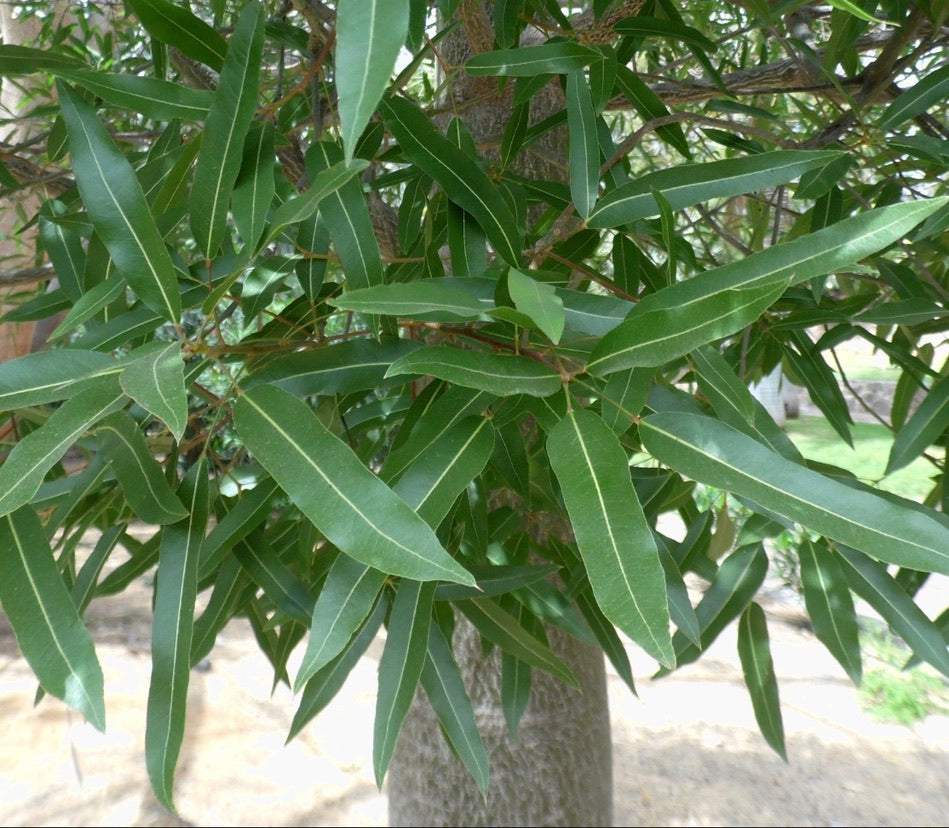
<point x="829" y="605"/>
<point x="446" y="692"/>
<point x="539" y="301"/>
<point x="156" y="381"/>
<point x="872" y="583"/>
<point x="254" y="188"/>
<point x="735" y="405"/>
<point x="323" y="686"/>
<point x="442" y="299"/>
<point x="711" y="452"/>
<point x="754" y="651"/>
<point x="855" y="10"/>
<point x="817" y="182"/>
<point x="612" y="534"/>
<point x="176" y="588"/>
<point x="49" y="631"/>
<point x="369" y="37"/>
<point x="525" y="62"/>
<point x="932" y="89"/>
<point x="157" y="99"/>
<point x="690" y="184"/>
<point x="117" y="207"/>
<point x="92" y="302"/>
<point x="735" y="584"/>
<point x="34" y="455"/>
<point x="222" y="142"/>
<point x="287" y="592"/>
<point x="346" y="213"/>
<point x="460" y="177"/>
<point x="467" y="244"/>
<point x="501" y="628"/>
<point x="400" y="667"/>
<point x="496" y="579"/>
<point x="656" y="27"/>
<point x="49" y="376"/>
<point x="137" y="471"/>
<point x="345" y="601"/>
<point x="251" y="510"/>
<point x="230" y="583"/>
<point x="650" y="106"/>
<point x="432" y="483"/>
<point x="584" y="150"/>
<point x="25" y="60"/>
<point x="651" y="336"/>
<point x="178" y="27"/>
<point x="356" y="511"/>
<point x="325" y="185"/>
<point x="923" y="428"/>
<point x="719" y="299"/>
<point x="353" y="365"/>
<point x="493" y="373"/>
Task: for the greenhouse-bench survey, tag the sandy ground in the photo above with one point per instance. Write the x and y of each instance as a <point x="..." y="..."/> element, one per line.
<point x="686" y="751"/>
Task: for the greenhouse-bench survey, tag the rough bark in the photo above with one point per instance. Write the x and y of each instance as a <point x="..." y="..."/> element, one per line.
<point x="557" y="772"/>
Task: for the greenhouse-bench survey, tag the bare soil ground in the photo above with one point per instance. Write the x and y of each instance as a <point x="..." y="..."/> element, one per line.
<point x="686" y="751"/>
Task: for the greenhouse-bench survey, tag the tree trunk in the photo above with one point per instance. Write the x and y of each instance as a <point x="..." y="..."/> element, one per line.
<point x="558" y="771"/>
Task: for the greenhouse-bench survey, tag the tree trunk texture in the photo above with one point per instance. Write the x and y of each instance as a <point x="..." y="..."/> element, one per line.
<point x="558" y="770"/>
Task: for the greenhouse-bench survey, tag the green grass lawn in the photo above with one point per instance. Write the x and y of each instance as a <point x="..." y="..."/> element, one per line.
<point x="817" y="440"/>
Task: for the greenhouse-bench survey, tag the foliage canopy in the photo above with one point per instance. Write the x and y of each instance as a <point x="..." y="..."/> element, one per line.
<point x="359" y="363"/>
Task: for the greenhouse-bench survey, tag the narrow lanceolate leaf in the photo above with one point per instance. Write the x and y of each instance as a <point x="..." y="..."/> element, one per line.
<point x="735" y="405"/>
<point x="923" y="428"/>
<point x="151" y="97"/>
<point x="44" y="617"/>
<point x="25" y="60"/>
<point x="175" y="25"/>
<point x="614" y="538"/>
<point x="683" y="304"/>
<point x="657" y="27"/>
<point x="459" y="176"/>
<point x="369" y="36"/>
<point x="345" y="211"/>
<point x="452" y="460"/>
<point x="254" y="188"/>
<point x="344" y="603"/>
<point x="287" y="592"/>
<point x="156" y="381"/>
<point x="353" y="365"/>
<point x="547" y="59"/>
<point x="24" y="469"/>
<point x="356" y="511"/>
<point x="117" y="207"/>
<point x="299" y="209"/>
<point x="440" y="299"/>
<point x="650" y="106"/>
<point x="493" y="373"/>
<point x="323" y="686"/>
<point x="735" y="584"/>
<point x="872" y="583"/>
<point x="222" y="143"/>
<point x="501" y="628"/>
<point x="656" y="335"/>
<point x="400" y="667"/>
<point x="754" y="651"/>
<point x="48" y="376"/>
<point x="584" y="151"/>
<point x="931" y="90"/>
<point x="251" y="510"/>
<point x="711" y="452"/>
<point x="137" y="471"/>
<point x="692" y="183"/>
<point x="446" y="692"/>
<point x="176" y="589"/>
<point x="830" y="606"/>
<point x="538" y="301"/>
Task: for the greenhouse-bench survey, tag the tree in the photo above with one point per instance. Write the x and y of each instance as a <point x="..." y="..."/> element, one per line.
<point x="418" y="316"/>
